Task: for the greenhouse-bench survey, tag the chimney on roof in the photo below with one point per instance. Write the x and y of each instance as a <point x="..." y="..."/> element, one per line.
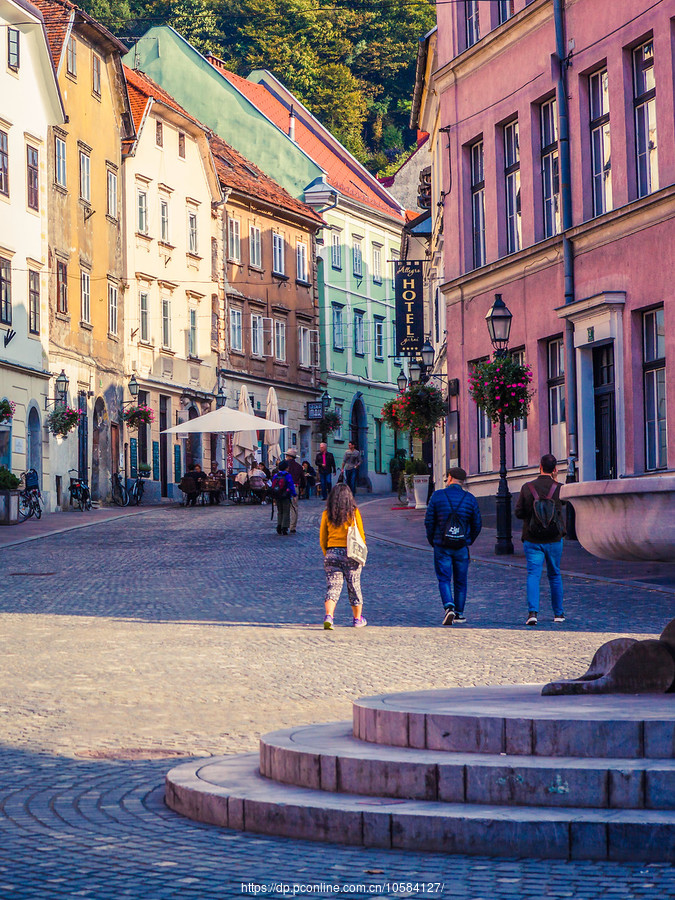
<point x="291" y="125"/>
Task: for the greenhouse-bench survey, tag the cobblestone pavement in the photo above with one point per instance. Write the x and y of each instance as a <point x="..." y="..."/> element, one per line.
<point x="181" y="633"/>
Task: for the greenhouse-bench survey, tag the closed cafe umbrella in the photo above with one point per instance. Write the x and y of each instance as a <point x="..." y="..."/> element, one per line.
<point x="245" y="442"/>
<point x="272" y="434"/>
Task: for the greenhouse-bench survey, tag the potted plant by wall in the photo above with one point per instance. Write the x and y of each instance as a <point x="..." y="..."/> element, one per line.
<point x="62" y="419"/>
<point x="329" y="422"/>
<point x="416" y="482"/>
<point x="501" y="387"/>
<point x="144" y="470"/>
<point x="7" y="408"/>
<point x="136" y="415"/>
<point x="9" y="497"/>
<point x="396" y="466"/>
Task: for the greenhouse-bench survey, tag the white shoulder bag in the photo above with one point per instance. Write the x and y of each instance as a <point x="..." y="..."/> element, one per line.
<point x="356" y="546"/>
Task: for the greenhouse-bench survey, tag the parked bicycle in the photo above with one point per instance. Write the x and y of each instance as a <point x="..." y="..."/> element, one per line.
<point x="136" y="491"/>
<point x="79" y="492"/>
<point x="120" y="494"/>
<point x="30" y="498"/>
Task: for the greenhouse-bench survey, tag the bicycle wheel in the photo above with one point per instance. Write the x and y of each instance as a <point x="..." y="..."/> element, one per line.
<point x="87" y="500"/>
<point x="37" y="505"/>
<point x="117" y="492"/>
<point x="139" y="493"/>
<point x="125" y="494"/>
<point x="25" y="506"/>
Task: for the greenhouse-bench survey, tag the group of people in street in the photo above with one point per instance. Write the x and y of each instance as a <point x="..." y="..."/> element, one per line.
<point x="453" y="523"/>
<point x="325" y="465"/>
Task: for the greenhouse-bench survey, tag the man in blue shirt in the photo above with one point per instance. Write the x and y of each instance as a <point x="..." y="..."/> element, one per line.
<point x="452" y="523"/>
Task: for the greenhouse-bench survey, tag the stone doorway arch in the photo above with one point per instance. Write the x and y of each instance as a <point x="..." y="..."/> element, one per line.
<point x="358" y="433"/>
<point x="100" y="450"/>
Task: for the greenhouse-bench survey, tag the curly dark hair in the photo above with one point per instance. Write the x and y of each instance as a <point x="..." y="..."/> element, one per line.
<point x="340" y="506"/>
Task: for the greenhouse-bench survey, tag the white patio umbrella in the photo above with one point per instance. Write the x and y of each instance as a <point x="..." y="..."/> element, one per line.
<point x="221" y="421"/>
<point x="272" y="434"/>
<point x="245" y="442"/>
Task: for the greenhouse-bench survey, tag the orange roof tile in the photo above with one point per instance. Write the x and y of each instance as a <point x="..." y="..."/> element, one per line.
<point x="340" y="173"/>
<point x="57" y="14"/>
<point x="141" y="89"/>
<point x="242" y="176"/>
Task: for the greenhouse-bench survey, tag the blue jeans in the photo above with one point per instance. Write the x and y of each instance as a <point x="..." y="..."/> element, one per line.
<point x="452" y="569"/>
<point x="350" y="478"/>
<point x="536" y="554"/>
<point x="326" y="484"/>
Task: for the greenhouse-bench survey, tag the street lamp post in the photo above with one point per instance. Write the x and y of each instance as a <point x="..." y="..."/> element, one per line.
<point x="499" y="327"/>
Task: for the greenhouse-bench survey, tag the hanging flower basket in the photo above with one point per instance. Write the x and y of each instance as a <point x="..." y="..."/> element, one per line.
<point x="418" y="410"/>
<point x="329" y="422"/>
<point x="135" y="416"/>
<point x="7" y="408"/>
<point x="62" y="419"/>
<point x="501" y="386"/>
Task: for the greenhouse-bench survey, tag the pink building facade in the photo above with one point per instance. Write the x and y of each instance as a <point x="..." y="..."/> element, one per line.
<point x="589" y="285"/>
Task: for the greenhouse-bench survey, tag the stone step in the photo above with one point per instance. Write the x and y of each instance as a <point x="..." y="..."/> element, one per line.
<point x="329" y="758"/>
<point x="518" y="721"/>
<point x="230" y="792"/>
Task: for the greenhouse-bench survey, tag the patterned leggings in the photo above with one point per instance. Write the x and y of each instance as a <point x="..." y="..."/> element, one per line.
<point x="338" y="568"/>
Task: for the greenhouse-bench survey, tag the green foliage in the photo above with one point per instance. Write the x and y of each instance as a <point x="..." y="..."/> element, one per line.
<point x="352" y="66"/>
<point x="416" y="466"/>
<point x="329" y="423"/>
<point x="418" y="410"/>
<point x="8" y="481"/>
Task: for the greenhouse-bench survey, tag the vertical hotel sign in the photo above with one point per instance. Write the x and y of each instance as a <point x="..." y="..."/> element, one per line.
<point x="409" y="285"/>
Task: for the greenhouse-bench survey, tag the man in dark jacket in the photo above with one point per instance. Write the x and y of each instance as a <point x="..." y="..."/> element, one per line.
<point x="325" y="464"/>
<point x="297" y="473"/>
<point x="452" y="563"/>
<point x="542" y="544"/>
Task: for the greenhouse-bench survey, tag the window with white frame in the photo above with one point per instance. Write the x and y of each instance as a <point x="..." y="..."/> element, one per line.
<point x="166" y="322"/>
<point x="193" y="244"/>
<point x="601" y="148"/>
<point x="164" y="230"/>
<point x="336" y="250"/>
<point x="338" y="327"/>
<point x="357" y="257"/>
<point x="301" y="257"/>
<point x="33" y="301"/>
<point x="280" y="340"/>
<point x="512" y="187"/>
<point x="304" y="347"/>
<point x="71" y="57"/>
<point x="236" y="340"/>
<point x="257" y="337"/>
<point x="644" y="102"/>
<point x="33" y="177"/>
<point x="337" y="434"/>
<point x="142" y="210"/>
<point x="377" y="263"/>
<point x="472" y="22"/>
<point x="85" y="296"/>
<point x="60" y="172"/>
<point x="112" y="308"/>
<point x="192" y="333"/>
<point x="255" y="247"/>
<point x="13" y="48"/>
<point x="379" y="337"/>
<point x="654" y="375"/>
<point x="144" y="303"/>
<point x="550" y="179"/>
<point x="506" y="10"/>
<point x="4" y="163"/>
<point x="278" y="261"/>
<point x="557" y="416"/>
<point x="359" y="333"/>
<point x="111" y="194"/>
<point x="478" y="204"/>
<point x="96" y="74"/>
<point x="519" y="430"/>
<point x="85" y="177"/>
<point x="484" y="441"/>
<point x="233" y="239"/>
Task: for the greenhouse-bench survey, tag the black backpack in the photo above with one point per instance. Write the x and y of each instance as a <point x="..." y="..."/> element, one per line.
<point x="454" y="530"/>
<point x="545" y="521"/>
<point x="280" y="488"/>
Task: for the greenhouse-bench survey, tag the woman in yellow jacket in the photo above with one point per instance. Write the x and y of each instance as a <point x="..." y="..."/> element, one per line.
<point x="341" y="512"/>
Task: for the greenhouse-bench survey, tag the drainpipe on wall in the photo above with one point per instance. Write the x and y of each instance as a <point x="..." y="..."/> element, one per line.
<point x="568" y="252"/>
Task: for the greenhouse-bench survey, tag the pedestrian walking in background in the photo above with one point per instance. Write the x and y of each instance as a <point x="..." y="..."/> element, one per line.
<point x="540" y="507"/>
<point x="297" y="473"/>
<point x="452" y="524"/>
<point x="325" y="464"/>
<point x="310" y="478"/>
<point x="282" y="491"/>
<point x="350" y="466"/>
<point x="341" y="512"/>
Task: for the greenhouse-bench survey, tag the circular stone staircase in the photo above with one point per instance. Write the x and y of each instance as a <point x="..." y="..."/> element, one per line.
<point x="494" y="771"/>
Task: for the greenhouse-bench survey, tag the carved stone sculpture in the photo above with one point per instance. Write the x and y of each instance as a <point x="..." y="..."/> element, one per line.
<point x="626" y="666"/>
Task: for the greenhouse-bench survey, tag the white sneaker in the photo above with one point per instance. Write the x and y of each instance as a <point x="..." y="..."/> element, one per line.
<point x="531" y="619"/>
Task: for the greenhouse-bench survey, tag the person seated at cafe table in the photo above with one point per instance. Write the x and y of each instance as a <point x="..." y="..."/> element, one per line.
<point x="215" y="475"/>
<point x="190" y="485"/>
<point x="257" y="481"/>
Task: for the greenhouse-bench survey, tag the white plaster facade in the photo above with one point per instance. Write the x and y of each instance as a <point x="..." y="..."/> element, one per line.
<point x="29" y="103"/>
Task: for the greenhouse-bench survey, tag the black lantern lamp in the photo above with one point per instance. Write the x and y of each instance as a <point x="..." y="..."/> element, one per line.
<point x="428" y="354"/>
<point x="402" y="381"/>
<point x="61" y="388"/>
<point x="221" y="397"/>
<point x="498" y="321"/>
<point x="133" y="387"/>
<point x="326" y="400"/>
